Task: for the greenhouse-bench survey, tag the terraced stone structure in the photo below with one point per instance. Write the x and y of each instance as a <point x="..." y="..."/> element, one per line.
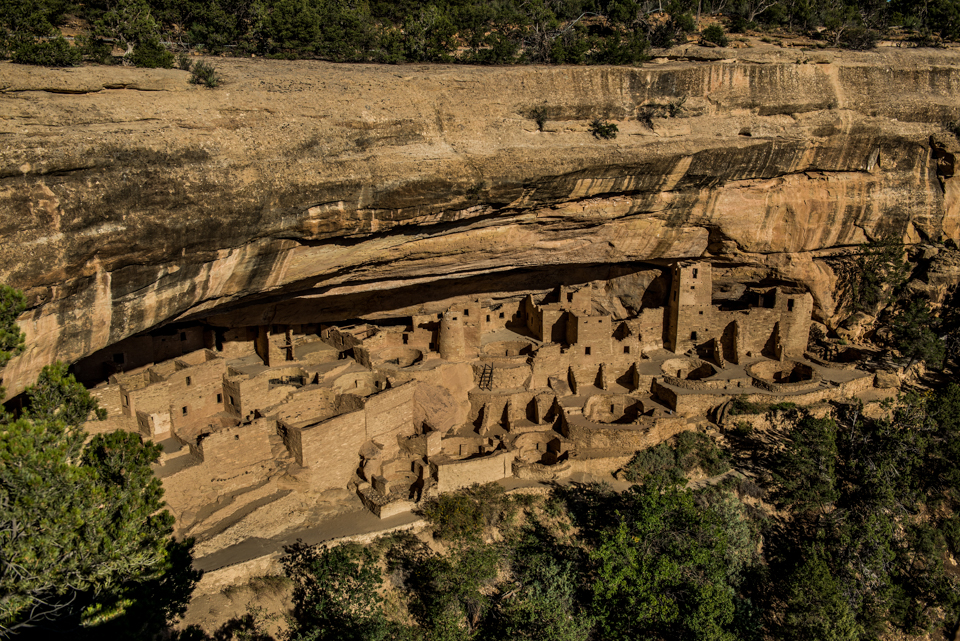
<point x="477" y="393"/>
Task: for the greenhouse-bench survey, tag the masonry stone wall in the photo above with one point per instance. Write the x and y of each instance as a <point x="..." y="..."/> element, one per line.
<point x="237" y="447"/>
<point x="237" y="342"/>
<point x="331" y="447"/>
<point x="390" y="412"/>
<point x="590" y="333"/>
<point x="487" y="469"/>
<point x="195" y="390"/>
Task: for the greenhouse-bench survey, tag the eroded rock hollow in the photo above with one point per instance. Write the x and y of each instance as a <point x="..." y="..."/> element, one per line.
<point x="306" y="192"/>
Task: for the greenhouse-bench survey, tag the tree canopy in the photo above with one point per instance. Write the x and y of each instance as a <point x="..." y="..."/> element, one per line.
<point x="617" y="32"/>
<point x="82" y="529"/>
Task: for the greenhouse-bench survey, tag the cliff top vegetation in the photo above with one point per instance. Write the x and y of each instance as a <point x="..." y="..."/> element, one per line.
<point x="619" y="32"/>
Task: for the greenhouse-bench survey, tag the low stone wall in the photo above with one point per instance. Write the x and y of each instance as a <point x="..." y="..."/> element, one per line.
<point x="697" y="385"/>
<point x="825" y="363"/>
<point x="598" y="462"/>
<point x="380" y="505"/>
<point x="540" y="472"/>
<point x="689" y="404"/>
<point x="762" y="372"/>
<point x="456" y="474"/>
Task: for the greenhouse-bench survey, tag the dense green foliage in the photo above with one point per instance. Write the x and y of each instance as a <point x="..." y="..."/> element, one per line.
<point x="667" y="463"/>
<point x="83" y="539"/>
<point x="617" y="32"/>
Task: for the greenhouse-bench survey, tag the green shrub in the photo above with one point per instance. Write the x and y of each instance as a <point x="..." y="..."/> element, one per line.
<point x="742" y="428"/>
<point x="56" y="52"/>
<point x="205" y="74"/>
<point x="184" y="61"/>
<point x="151" y="54"/>
<point x="462" y="515"/>
<point x="666" y="464"/>
<point x="859" y="39"/>
<point x="539" y="116"/>
<point x="740" y="405"/>
<point x="714" y="33"/>
<point x="95" y="50"/>
<point x="603" y="129"/>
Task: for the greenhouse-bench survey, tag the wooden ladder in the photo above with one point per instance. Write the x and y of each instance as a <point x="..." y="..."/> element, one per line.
<point x="486" y="378"/>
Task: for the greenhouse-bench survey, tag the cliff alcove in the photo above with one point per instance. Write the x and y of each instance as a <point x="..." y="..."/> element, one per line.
<point x="313" y="192"/>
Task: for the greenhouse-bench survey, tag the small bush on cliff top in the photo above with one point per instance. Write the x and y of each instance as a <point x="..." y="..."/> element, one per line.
<point x="206" y="74"/>
<point x="714" y="33"/>
<point x="50" y="53"/>
<point x="603" y="129"/>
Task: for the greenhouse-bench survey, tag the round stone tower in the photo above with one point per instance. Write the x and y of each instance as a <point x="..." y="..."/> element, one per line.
<point x="451" y="342"/>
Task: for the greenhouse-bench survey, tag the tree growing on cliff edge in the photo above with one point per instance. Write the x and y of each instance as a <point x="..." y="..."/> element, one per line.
<point x="81" y="525"/>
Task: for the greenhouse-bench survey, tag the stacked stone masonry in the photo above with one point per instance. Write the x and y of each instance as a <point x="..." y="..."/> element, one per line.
<point x="480" y="392"/>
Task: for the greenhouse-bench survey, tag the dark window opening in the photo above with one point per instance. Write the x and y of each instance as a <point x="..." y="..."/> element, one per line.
<point x="466" y="312"/>
<point x="586" y="350"/>
<point x="183" y="336"/>
<point x="692" y="287"/>
<point x="612" y="409"/>
<point x="188" y="381"/>
<point x="790" y="305"/>
<point x="694" y="272"/>
<point x="405" y="339"/>
<point x="626" y="349"/>
<point x="184" y="410"/>
<point x="219" y="398"/>
<point x="501" y="314"/>
<point x="701" y="313"/>
<point x="232" y="402"/>
<point x="125" y="399"/>
<point x="236" y="437"/>
<point x="488" y="318"/>
<point x="570" y="298"/>
<point x="693" y="336"/>
<point x="119" y="359"/>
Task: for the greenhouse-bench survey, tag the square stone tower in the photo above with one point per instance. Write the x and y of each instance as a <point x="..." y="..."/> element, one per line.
<point x="690" y="309"/>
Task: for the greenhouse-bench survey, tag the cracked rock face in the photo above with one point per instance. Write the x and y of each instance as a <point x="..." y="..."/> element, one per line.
<point x="308" y="191"/>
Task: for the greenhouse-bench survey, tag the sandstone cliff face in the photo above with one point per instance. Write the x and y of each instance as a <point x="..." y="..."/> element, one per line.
<point x="307" y="191"/>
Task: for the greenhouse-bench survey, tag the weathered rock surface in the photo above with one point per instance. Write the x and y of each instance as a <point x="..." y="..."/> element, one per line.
<point x="307" y="191"/>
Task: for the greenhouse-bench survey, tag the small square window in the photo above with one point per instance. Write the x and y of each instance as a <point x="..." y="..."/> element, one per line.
<point x="693" y="336"/>
<point x="466" y="312"/>
<point x="184" y="410"/>
<point x="692" y="287"/>
<point x="219" y="398"/>
<point x="626" y="349"/>
<point x="236" y="437"/>
<point x="701" y="313"/>
<point x="501" y="314"/>
<point x="488" y="318"/>
<point x="570" y="298"/>
<point x="586" y="350"/>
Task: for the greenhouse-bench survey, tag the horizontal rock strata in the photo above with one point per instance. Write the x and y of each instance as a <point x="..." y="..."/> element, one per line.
<point x="309" y="191"/>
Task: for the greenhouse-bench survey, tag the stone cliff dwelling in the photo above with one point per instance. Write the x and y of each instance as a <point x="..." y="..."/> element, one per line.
<point x="539" y="390"/>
